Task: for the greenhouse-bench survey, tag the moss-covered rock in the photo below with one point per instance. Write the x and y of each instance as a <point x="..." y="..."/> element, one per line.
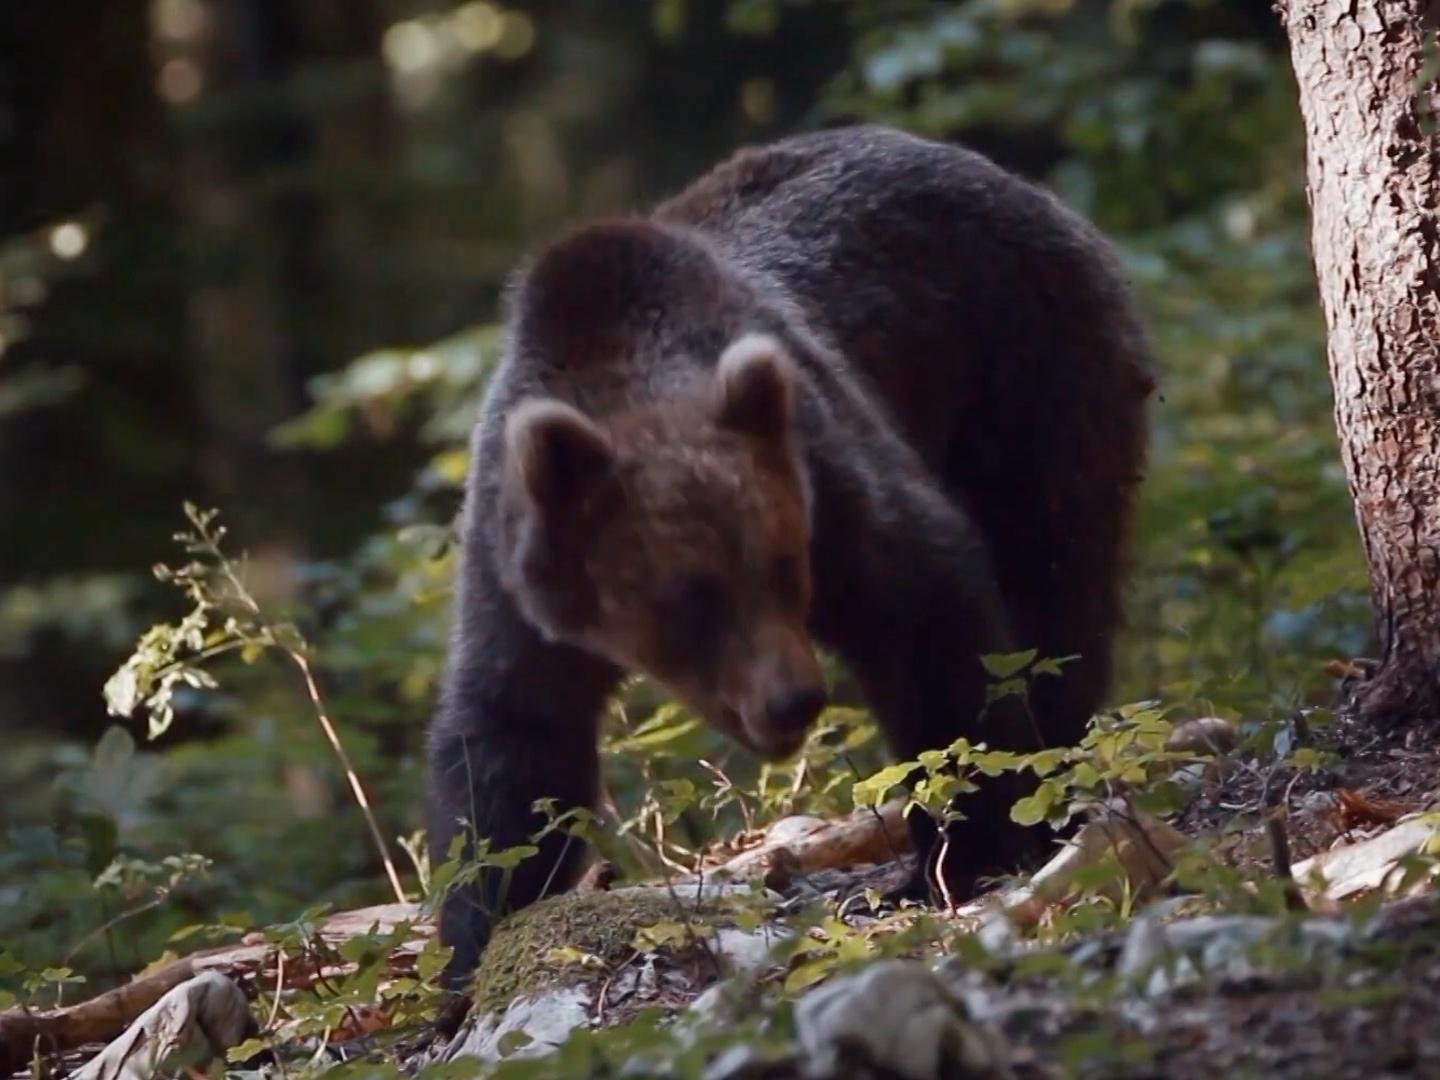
<point x="521" y="958"/>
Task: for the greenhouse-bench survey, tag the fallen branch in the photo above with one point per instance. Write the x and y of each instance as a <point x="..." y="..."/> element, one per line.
<point x="23" y="1032"/>
<point x="1138" y="843"/>
<point x="808" y="844"/>
<point x="1371" y="865"/>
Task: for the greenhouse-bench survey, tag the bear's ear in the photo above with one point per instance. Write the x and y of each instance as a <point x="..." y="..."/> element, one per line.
<point x="555" y="451"/>
<point x="755" y="379"/>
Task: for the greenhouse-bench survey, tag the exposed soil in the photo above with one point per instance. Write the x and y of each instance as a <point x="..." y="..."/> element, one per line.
<point x="1369" y="780"/>
<point x="1372" y="1015"/>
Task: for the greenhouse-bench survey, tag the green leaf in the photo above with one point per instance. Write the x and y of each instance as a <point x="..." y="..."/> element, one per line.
<point x="875" y="789"/>
<point x="1049" y="666"/>
<point x="432" y="959"/>
<point x="1044" y="762"/>
<point x="668" y="934"/>
<point x="995" y="762"/>
<point x="62" y="976"/>
<point x="810" y="973"/>
<point x="568" y="956"/>
<point x="9" y="965"/>
<point x="1006" y="665"/>
<point x="659" y="735"/>
<point x="1034" y="809"/>
<point x="1008" y="688"/>
<point x="1162" y="798"/>
<point x="509" y="858"/>
<point x="246" y="1050"/>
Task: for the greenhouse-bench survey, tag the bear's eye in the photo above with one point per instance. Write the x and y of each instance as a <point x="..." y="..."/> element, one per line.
<point x="694" y="606"/>
<point x="787" y="575"/>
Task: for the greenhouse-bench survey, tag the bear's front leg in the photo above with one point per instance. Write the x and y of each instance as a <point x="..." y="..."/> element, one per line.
<point x="928" y="692"/>
<point x="517" y="723"/>
<point x="912" y="607"/>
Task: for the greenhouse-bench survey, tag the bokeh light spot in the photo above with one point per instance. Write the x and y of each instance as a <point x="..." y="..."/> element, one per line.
<point x="477" y="26"/>
<point x="180" y="81"/>
<point x="423" y="366"/>
<point x="178" y="20"/>
<point x="410" y="46"/>
<point x="517" y="36"/>
<point x="69" y="240"/>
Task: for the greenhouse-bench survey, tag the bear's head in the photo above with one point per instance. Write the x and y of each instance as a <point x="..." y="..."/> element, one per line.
<point x="673" y="539"/>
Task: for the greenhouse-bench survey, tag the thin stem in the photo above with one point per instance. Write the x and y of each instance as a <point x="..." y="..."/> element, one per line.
<point x="350" y="774"/>
<point x="200" y="657"/>
<point x="555" y="866"/>
<point x="155" y="901"/>
<point x="279" y="987"/>
<point x="895" y="855"/>
<point x="944" y="886"/>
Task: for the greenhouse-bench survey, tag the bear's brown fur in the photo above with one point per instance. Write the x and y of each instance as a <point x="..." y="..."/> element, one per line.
<point x="854" y="386"/>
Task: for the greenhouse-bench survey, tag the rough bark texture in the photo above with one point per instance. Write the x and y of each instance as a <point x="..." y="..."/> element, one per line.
<point x="1374" y="185"/>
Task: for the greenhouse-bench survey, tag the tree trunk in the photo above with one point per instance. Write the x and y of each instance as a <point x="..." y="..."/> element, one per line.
<point x="1368" y="96"/>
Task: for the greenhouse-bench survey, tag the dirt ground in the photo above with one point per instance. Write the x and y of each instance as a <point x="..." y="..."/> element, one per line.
<point x="1370" y="1015"/>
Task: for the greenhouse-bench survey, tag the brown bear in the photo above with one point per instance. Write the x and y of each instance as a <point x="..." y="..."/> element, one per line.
<point x="855" y="388"/>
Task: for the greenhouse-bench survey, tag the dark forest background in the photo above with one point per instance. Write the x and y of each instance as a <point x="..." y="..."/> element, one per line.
<point x="251" y="256"/>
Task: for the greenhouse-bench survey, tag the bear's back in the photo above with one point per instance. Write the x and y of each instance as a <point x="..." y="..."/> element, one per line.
<point x="828" y="188"/>
<point x="927" y="267"/>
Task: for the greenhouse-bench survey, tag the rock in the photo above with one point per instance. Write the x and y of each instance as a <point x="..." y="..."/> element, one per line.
<point x="751" y="1063"/>
<point x="998" y="934"/>
<point x="742" y="951"/>
<point x="192" y="1024"/>
<point x="1210" y="737"/>
<point x="538" y="980"/>
<point x="896" y="1018"/>
<point x="1202" y="735"/>
<point x="1144" y="945"/>
<point x="530" y="1026"/>
<point x="1214" y="947"/>
<point x="534" y="949"/>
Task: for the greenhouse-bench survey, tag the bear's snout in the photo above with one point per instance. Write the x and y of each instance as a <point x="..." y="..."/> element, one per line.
<point x="785" y="693"/>
<point x="794" y="708"/>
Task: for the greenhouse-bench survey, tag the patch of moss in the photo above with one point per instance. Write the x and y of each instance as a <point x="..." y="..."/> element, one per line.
<point x="518" y="958"/>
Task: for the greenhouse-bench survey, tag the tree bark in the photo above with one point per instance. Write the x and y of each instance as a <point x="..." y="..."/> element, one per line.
<point x="1368" y="97"/>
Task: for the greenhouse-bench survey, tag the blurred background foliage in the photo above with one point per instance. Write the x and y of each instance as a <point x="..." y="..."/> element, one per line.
<point x="251" y="255"/>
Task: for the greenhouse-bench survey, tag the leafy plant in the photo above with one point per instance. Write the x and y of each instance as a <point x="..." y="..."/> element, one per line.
<point x="225" y="619"/>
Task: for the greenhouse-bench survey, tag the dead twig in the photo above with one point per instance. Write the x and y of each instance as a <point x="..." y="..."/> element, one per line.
<point x="358" y="789"/>
<point x="1279" y="840"/>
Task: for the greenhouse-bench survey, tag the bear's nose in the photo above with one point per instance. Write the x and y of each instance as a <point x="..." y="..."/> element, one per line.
<point x="794" y="708"/>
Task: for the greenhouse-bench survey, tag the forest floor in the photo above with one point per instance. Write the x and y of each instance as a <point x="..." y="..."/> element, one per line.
<point x="1368" y="1008"/>
<point x="1371" y="1017"/>
<point x="1342" y="986"/>
<point x="1371" y="779"/>
<point x="1224" y="984"/>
